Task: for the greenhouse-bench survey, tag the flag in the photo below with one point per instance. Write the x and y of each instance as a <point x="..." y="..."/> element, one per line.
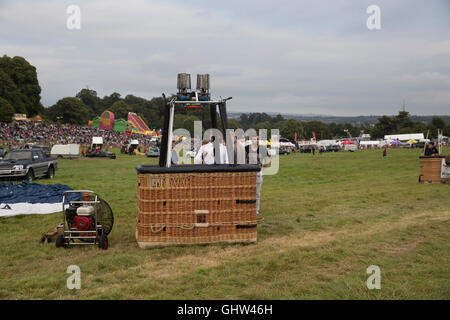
<point x="314" y="135"/>
<point x="295" y="138"/>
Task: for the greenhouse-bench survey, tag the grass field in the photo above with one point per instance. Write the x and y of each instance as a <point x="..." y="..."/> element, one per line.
<point x="326" y="219"/>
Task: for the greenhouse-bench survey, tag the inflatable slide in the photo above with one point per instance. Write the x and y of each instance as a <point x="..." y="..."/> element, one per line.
<point x="138" y="124"/>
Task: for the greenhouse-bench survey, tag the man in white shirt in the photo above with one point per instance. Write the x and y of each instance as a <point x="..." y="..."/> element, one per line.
<point x="205" y="155"/>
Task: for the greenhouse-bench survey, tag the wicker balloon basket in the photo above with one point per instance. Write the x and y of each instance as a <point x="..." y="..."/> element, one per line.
<point x="430" y="170"/>
<point x="196" y="204"/>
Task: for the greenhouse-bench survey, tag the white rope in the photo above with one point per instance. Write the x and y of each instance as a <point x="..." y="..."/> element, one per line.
<point x="162" y="227"/>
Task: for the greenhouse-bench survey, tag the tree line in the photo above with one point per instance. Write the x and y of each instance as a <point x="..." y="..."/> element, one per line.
<point x="19" y="88"/>
<point x="20" y="93"/>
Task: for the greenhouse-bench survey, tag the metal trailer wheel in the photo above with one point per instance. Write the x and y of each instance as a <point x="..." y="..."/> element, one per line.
<point x="60" y="241"/>
<point x="103" y="242"/>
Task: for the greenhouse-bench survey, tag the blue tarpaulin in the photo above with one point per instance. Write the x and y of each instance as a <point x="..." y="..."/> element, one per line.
<point x="31" y="192"/>
<point x="30" y="198"/>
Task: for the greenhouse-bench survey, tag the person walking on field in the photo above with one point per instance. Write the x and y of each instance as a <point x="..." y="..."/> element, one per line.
<point x="384" y="152"/>
<point x="256" y="154"/>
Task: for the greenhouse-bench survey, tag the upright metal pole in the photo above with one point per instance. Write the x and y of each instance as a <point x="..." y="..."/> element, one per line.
<point x="227" y="137"/>
<point x="170" y="137"/>
<point x="165" y="135"/>
<point x="213" y="114"/>
<point x="440" y="141"/>
<point x="426" y="143"/>
<point x="223" y="115"/>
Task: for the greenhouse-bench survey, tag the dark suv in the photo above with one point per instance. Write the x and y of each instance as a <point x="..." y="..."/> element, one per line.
<point x="27" y="164"/>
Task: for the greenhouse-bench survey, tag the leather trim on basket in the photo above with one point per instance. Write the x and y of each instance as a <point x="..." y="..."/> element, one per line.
<point x="246" y="226"/>
<point x="245" y="201"/>
<point x="186" y="168"/>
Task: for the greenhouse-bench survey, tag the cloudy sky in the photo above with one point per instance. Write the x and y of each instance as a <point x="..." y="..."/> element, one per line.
<point x="292" y="56"/>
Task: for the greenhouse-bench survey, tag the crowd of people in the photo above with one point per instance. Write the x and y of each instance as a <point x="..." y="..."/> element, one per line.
<point x="19" y="134"/>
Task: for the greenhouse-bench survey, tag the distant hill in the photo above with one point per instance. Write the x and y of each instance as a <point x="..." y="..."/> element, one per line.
<point x="354" y="120"/>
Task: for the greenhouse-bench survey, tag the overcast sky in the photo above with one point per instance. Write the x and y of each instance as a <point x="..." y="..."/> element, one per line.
<point x="272" y="56"/>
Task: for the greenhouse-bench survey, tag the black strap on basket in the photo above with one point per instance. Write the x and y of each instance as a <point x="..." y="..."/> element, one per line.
<point x="246" y="226"/>
<point x="245" y="201"/>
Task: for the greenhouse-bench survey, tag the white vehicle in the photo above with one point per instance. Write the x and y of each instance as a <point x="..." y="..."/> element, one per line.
<point x="350" y="147"/>
<point x="286" y="143"/>
<point x="133" y="145"/>
<point x="69" y="151"/>
<point x="97" y="142"/>
<point x="133" y="142"/>
<point x="154" y="139"/>
<point x="326" y="143"/>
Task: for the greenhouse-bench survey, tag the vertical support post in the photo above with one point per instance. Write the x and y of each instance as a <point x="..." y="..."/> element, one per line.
<point x="170" y="137"/>
<point x="165" y="135"/>
<point x="213" y="114"/>
<point x="223" y="115"/>
<point x="226" y="136"/>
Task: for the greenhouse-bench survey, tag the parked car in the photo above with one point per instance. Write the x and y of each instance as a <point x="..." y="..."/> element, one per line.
<point x="350" y="147"/>
<point x="100" y="154"/>
<point x="152" y="152"/>
<point x="283" y="151"/>
<point x="420" y="144"/>
<point x="129" y="149"/>
<point x="27" y="164"/>
<point x="283" y="142"/>
<point x="3" y="153"/>
<point x="332" y="148"/>
<point x="404" y="145"/>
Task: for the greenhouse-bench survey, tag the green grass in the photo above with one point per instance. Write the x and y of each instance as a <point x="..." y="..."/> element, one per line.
<point x="326" y="219"/>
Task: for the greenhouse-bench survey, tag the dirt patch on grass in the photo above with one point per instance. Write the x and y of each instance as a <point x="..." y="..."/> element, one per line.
<point x="403" y="248"/>
<point x="215" y="256"/>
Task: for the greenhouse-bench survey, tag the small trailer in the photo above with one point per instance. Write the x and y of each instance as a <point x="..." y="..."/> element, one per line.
<point x="66" y="151"/>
